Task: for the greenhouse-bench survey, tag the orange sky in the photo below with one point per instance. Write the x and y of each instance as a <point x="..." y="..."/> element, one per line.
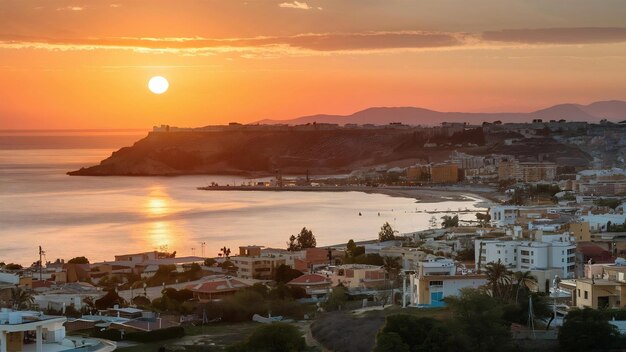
<point x="85" y="64"/>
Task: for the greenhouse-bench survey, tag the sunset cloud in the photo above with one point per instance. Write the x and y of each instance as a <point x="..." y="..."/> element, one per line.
<point x="71" y="8"/>
<point x="296" y="5"/>
<point x="319" y="42"/>
<point x="580" y="35"/>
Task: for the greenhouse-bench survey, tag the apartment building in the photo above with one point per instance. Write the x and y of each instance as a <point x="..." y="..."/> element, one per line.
<point x="251" y="265"/>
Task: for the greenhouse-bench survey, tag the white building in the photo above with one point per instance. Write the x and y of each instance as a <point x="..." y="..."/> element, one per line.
<point x="17" y="327"/>
<point x="548" y="252"/>
<point x="600" y="222"/>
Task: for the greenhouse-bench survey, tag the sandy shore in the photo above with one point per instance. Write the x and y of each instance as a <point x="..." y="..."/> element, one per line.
<point x="422" y="195"/>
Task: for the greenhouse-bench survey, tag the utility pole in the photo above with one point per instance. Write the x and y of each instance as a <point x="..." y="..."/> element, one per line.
<point x="41" y="252"/>
<point x="202" y="244"/>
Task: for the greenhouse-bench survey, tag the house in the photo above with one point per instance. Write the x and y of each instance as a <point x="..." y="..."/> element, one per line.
<point x="316" y="257"/>
<point x="438" y="278"/>
<point x="251" y="265"/>
<point x="216" y="288"/>
<point x="34" y="331"/>
<point x="604" y="286"/>
<point x="315" y="285"/>
<point x="357" y="276"/>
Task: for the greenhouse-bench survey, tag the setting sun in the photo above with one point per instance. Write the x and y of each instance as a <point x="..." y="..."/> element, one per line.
<point x="158" y="85"/>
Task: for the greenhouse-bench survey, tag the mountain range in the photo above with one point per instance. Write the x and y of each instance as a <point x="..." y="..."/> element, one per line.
<point x="612" y="110"/>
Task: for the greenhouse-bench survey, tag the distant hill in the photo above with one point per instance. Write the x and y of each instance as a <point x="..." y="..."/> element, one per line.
<point x="613" y="110"/>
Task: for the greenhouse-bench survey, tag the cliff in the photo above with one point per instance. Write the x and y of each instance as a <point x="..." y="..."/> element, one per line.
<point x="259" y="152"/>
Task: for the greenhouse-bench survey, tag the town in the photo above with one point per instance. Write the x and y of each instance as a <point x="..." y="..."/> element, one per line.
<point x="541" y="264"/>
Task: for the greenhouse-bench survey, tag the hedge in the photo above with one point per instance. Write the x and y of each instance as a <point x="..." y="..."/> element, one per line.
<point x="156" y="335"/>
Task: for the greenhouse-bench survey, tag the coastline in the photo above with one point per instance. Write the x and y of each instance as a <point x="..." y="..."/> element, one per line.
<point x="421" y="195"/>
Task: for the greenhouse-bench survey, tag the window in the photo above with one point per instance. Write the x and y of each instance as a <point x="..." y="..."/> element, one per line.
<point x="578" y="292"/>
<point x="586" y="294"/>
<point x="524" y="260"/>
<point x="435" y="283"/>
<point x="524" y="252"/>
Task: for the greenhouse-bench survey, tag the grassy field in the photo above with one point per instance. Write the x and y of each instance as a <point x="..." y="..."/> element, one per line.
<point x="200" y="338"/>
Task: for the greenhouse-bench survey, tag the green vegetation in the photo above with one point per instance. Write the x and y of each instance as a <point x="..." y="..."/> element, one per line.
<point x="305" y="239"/>
<point x="78" y="260"/>
<point x="174" y="301"/>
<point x="483" y="219"/>
<point x="589" y="330"/>
<point x="21" y="298"/>
<point x="284" y="274"/>
<point x="109" y="300"/>
<point x="277" y="337"/>
<point x="369" y="259"/>
<point x="449" y="221"/>
<point x="174" y="332"/>
<point x="258" y="299"/>
<point x="608" y="202"/>
<point x="386" y="233"/>
<point x="352" y="250"/>
<point x="338" y="297"/>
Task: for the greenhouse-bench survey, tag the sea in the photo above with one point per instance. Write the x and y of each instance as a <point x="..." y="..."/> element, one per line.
<point x="100" y="217"/>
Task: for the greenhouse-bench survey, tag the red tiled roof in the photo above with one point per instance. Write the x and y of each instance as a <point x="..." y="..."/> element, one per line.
<point x="311" y="279"/>
<point x="223" y="285"/>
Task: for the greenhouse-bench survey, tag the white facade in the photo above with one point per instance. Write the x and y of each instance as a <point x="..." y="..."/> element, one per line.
<point x="598" y="223"/>
<point x="530" y="255"/>
<point x="503" y="215"/>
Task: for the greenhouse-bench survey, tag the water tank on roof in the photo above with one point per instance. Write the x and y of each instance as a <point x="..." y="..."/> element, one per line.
<point x="620" y="261"/>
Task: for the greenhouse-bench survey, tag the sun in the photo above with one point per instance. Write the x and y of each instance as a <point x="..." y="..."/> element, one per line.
<point x="158" y="85"/>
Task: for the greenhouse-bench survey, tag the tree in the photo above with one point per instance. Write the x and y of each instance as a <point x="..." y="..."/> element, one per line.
<point x="523" y="280"/>
<point x="479" y="319"/>
<point x="386" y="233"/>
<point x="209" y="262"/>
<point x="390" y="342"/>
<point x="78" y="260"/>
<point x="338" y="297"/>
<point x="449" y="221"/>
<point x="586" y="330"/>
<point x="498" y="280"/>
<point x="276" y="337"/>
<point x="418" y="334"/>
<point x="21" y="298"/>
<point x="350" y="247"/>
<point x="284" y="274"/>
<point x="483" y="219"/>
<point x="109" y="300"/>
<point x="224" y="252"/>
<point x="392" y="266"/>
<point x="432" y="222"/>
<point x="305" y="239"/>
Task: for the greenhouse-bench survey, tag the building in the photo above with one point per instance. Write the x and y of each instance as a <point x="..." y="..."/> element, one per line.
<point x="526" y="171"/>
<point x="418" y="173"/>
<point x="604" y="286"/>
<point x="251" y="265"/>
<point x="549" y="252"/>
<point x="316" y="286"/>
<point x="357" y="276"/>
<point x="438" y="278"/>
<point x="34" y="331"/>
<point x="580" y="230"/>
<point x="444" y="173"/>
<point x="409" y="257"/>
<point x="216" y="288"/>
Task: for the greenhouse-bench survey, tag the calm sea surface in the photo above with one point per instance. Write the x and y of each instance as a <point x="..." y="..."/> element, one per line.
<point x="102" y="216"/>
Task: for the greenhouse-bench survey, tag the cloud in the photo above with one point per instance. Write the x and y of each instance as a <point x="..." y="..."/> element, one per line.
<point x="71" y="8"/>
<point x="311" y="42"/>
<point x="574" y="35"/>
<point x="115" y="5"/>
<point x="296" y="5"/>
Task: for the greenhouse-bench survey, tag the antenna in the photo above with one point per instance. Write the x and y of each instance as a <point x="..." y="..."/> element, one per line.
<point x="41" y="253"/>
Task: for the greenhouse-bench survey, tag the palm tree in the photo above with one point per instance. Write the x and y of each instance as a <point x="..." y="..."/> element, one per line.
<point x="392" y="266"/>
<point x="21" y="298"/>
<point x="498" y="278"/>
<point x="523" y="279"/>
